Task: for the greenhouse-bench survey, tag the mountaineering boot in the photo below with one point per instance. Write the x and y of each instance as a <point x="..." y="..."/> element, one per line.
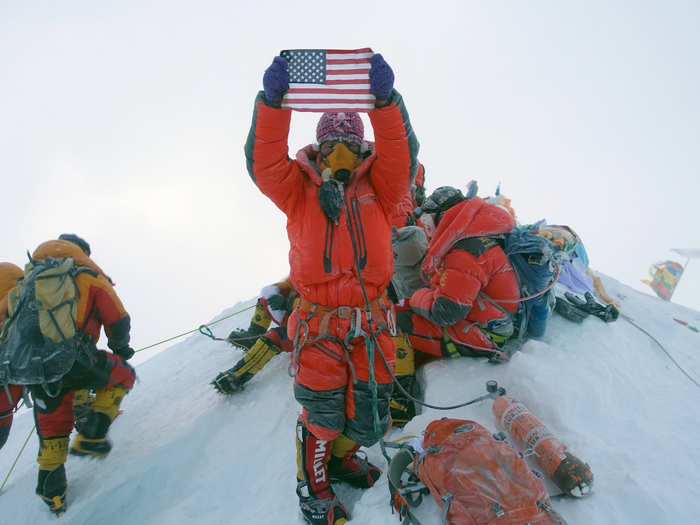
<point x="51" y="485"/>
<point x="347" y="466"/>
<point x="51" y="488"/>
<point x="320" y="511"/>
<point x="403" y="408"/>
<point x="317" y="501"/>
<point x="259" y="323"/>
<point x="233" y="379"/>
<point x="92" y="439"/>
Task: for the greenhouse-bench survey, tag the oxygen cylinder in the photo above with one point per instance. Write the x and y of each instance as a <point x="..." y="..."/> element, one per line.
<point x="568" y="472"/>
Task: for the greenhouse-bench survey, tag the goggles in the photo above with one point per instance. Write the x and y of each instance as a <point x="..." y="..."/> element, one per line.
<point x="328" y="146"/>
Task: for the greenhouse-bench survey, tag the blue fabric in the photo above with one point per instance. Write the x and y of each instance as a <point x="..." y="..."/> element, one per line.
<point x="381" y="78"/>
<point x="276" y="81"/>
<point x="580" y="252"/>
<point x="532" y="259"/>
<point x="539" y="312"/>
<point x="573" y="279"/>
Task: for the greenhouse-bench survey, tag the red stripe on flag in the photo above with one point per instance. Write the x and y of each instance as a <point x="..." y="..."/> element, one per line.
<point x="330" y="91"/>
<point x="347" y="51"/>
<point x="332" y="72"/>
<point x="350" y="81"/>
<point x="337" y="62"/>
<point x="329" y="101"/>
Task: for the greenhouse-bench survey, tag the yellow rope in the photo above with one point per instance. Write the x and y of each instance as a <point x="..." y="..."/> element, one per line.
<point x="17" y="458"/>
<point x="194" y="330"/>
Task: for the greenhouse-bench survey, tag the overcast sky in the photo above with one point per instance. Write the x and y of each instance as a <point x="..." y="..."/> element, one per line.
<point x="125" y="123"/>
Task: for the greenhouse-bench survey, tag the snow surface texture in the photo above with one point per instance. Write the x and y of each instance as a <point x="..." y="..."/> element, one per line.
<point x="184" y="454"/>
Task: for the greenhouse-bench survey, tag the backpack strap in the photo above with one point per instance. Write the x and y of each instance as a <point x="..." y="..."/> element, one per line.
<point x="405" y="495"/>
<point x="556" y="517"/>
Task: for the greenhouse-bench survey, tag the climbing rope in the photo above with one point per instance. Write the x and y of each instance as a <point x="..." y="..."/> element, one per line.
<point x="686" y="374"/>
<point x="17" y="459"/>
<point x="201" y="329"/>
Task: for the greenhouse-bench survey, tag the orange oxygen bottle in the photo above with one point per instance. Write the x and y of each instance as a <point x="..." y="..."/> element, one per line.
<point x="568" y="472"/>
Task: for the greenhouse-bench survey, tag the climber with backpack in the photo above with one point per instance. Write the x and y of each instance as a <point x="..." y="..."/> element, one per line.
<point x="469" y="305"/>
<point x="489" y="280"/>
<point x="9" y="394"/>
<point x="48" y="343"/>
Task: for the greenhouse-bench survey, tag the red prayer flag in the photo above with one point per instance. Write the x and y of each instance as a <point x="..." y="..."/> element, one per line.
<point x="328" y="80"/>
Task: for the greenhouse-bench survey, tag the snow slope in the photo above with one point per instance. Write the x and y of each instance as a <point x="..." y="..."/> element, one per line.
<point x="184" y="454"/>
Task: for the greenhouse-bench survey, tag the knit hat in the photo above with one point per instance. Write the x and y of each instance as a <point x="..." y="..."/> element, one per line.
<point x="340" y="126"/>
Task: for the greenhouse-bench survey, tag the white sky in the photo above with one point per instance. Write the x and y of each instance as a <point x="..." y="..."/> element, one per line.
<point x="125" y="123"/>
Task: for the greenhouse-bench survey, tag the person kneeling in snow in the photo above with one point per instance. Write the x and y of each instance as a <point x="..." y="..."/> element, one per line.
<point x="260" y="342"/>
<point x="468" y="308"/>
<point x="339" y="196"/>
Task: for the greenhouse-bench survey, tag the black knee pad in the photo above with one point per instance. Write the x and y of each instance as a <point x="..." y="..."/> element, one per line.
<point x="44" y="402"/>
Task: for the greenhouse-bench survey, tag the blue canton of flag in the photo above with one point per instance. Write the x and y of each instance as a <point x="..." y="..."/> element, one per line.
<point x="306" y="66"/>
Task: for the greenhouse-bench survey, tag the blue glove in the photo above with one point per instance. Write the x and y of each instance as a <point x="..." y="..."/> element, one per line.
<point x="276" y="81"/>
<point x="381" y="78"/>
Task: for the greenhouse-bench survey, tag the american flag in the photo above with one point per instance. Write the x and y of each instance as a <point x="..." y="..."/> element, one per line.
<point x="328" y="80"/>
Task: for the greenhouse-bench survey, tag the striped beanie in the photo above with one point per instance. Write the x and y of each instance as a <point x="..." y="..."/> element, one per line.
<point x="340" y="126"/>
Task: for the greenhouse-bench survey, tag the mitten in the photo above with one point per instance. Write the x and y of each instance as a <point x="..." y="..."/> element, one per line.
<point x="276" y="81"/>
<point x="381" y="78"/>
<point x="125" y="352"/>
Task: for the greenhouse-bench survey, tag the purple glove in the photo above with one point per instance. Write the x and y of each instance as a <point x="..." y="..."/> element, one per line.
<point x="381" y="78"/>
<point x="276" y="81"/>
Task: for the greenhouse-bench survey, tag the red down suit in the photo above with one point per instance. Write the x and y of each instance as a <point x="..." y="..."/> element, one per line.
<point x="332" y="383"/>
<point x="469" y="273"/>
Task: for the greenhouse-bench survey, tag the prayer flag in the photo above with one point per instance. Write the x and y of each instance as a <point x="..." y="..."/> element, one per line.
<point x="328" y="80"/>
<point x="665" y="276"/>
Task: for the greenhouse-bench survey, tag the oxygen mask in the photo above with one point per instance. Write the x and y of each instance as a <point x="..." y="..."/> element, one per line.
<point x="338" y="159"/>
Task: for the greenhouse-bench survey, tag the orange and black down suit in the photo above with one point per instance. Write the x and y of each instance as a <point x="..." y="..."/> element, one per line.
<point x="332" y="383"/>
<point x="98" y="306"/>
<point x="451" y="316"/>
<point x="10" y="394"/>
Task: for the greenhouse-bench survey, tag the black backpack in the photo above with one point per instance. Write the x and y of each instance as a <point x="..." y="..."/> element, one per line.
<point x="39" y="341"/>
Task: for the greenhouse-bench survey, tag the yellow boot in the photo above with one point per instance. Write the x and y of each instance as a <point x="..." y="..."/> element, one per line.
<point x="405" y="357"/>
<point x="259" y="324"/>
<point x="402" y="408"/>
<point x="92" y="439"/>
<point x="51" y="485"/>
<point x="233" y="379"/>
